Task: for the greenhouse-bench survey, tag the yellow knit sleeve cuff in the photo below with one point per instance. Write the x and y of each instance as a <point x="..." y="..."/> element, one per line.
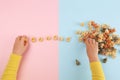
<point x="14" y="60"/>
<point x="95" y="63"/>
<point x="96" y="67"/>
<point x="97" y="71"/>
<point x="11" y="69"/>
<point x="15" y="56"/>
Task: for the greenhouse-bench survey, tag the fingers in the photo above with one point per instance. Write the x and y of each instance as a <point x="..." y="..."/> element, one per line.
<point x="23" y="39"/>
<point x="85" y="38"/>
<point x="96" y="43"/>
<point x="18" y="38"/>
<point x="90" y="41"/>
<point x="93" y="41"/>
<point x="86" y="41"/>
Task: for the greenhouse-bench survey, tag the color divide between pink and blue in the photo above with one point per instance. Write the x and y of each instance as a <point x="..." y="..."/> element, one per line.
<point x="53" y="60"/>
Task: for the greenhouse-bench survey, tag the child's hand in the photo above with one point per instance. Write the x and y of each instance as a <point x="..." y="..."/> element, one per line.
<point x="20" y="45"/>
<point x="92" y="49"/>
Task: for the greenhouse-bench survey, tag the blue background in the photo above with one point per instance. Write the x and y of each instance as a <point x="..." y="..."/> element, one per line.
<point x="71" y="13"/>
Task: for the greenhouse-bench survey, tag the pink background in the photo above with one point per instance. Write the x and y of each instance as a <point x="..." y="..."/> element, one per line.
<point x="33" y="18"/>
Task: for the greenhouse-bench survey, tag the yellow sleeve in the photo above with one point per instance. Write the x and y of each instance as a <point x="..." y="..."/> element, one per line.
<point x="97" y="71"/>
<point x="11" y="70"/>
